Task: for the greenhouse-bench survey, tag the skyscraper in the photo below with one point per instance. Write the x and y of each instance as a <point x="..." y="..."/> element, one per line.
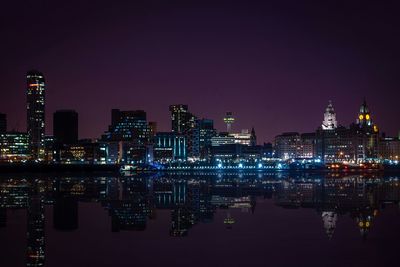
<point x="65" y="126"/>
<point x="184" y="122"/>
<point x="129" y="125"/>
<point x="3" y="123"/>
<point x="181" y="118"/>
<point x="36" y="113"/>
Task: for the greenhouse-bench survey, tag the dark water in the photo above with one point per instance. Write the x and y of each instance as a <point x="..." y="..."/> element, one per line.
<point x="200" y="220"/>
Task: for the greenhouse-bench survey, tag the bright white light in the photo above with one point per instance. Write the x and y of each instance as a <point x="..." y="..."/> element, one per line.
<point x="219" y="165"/>
<point x="259" y="165"/>
<point x="240" y="165"/>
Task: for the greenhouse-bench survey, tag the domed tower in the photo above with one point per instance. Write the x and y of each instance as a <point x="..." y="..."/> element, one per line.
<point x="364" y="117"/>
<point x="329" y="122"/>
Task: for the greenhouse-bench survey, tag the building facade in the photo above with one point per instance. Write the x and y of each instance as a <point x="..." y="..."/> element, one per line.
<point x="170" y="147"/>
<point x="389" y="148"/>
<point x="14" y="146"/>
<point x="36" y="113"/>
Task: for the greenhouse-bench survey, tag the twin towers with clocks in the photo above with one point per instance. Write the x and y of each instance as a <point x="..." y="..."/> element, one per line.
<point x="355" y="144"/>
<point x="364" y="119"/>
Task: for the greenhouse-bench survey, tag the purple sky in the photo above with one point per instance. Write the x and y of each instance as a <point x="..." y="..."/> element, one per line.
<point x="275" y="65"/>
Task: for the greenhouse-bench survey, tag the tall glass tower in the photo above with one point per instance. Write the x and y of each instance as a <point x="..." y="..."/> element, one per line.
<point x="36" y="113"/>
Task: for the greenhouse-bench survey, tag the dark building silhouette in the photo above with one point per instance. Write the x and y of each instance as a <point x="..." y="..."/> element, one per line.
<point x="36" y="113"/>
<point x="3" y="123"/>
<point x="65" y="126"/>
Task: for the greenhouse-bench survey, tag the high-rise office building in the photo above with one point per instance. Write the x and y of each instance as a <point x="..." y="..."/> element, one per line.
<point x="3" y="123"/>
<point x="181" y="118"/>
<point x="36" y="113"/>
<point x="65" y="126"/>
<point x="128" y="126"/>
<point x="207" y="132"/>
<point x="184" y="122"/>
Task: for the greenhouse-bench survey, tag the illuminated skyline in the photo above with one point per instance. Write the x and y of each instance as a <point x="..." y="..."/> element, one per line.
<point x="274" y="66"/>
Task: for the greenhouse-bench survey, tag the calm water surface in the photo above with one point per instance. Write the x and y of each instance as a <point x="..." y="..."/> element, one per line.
<point x="200" y="220"/>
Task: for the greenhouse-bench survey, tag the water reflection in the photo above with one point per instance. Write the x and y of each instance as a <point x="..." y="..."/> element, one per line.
<point x="192" y="199"/>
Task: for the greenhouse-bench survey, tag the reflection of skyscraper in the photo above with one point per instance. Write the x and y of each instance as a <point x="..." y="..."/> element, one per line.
<point x="181" y="220"/>
<point x="128" y="215"/>
<point x="36" y="230"/>
<point x="36" y="113"/>
<point x="65" y="213"/>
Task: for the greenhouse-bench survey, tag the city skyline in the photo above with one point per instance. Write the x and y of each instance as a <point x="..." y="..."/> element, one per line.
<point x="49" y="120"/>
<point x="274" y="66"/>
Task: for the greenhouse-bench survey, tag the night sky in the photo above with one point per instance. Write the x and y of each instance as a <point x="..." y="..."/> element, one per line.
<point x="274" y="65"/>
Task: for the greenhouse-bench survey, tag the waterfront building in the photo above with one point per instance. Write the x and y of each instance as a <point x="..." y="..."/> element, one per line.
<point x="287" y="145"/>
<point x="65" y="126"/>
<point x="207" y="131"/>
<point x="84" y="151"/>
<point x="354" y="144"/>
<point x="389" y="148"/>
<point x="128" y="126"/>
<point x="185" y="123"/>
<point x="50" y="151"/>
<point x="36" y="113"/>
<point x="128" y="137"/>
<point x="170" y="146"/>
<point x="366" y="135"/>
<point x="336" y="145"/>
<point x="14" y="147"/>
<point x="3" y="123"/>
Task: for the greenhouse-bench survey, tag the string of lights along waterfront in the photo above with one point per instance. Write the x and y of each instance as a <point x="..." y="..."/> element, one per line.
<point x="193" y="142"/>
